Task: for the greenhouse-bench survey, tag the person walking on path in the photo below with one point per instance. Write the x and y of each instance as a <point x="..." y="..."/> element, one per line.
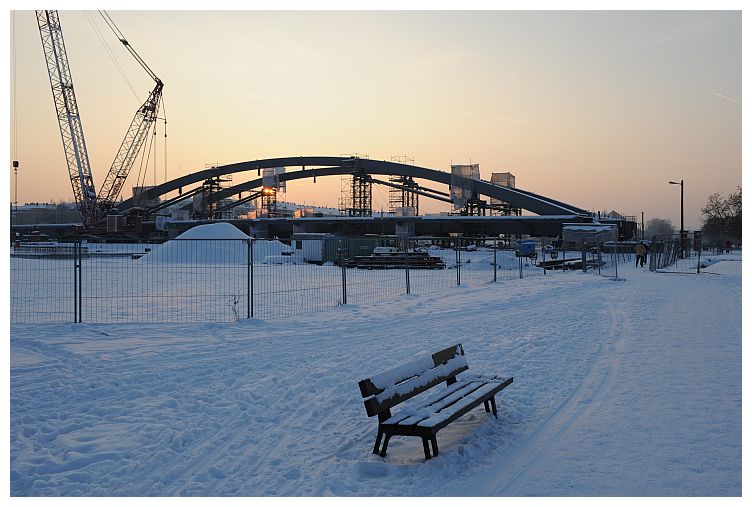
<point x="641" y="252"/>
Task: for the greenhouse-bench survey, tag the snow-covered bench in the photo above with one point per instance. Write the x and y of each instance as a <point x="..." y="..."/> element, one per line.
<point x="437" y="410"/>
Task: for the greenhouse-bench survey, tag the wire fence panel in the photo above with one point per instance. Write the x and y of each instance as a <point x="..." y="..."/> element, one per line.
<point x="440" y="267"/>
<point x="368" y="285"/>
<point x="179" y="281"/>
<point x="285" y="284"/>
<point x="42" y="284"/>
<point x="216" y="280"/>
<point x="668" y="255"/>
<point x="721" y="262"/>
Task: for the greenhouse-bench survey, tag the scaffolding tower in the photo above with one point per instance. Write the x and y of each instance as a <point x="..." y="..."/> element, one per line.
<point x="401" y="199"/>
<point x="475" y="207"/>
<point x="204" y="206"/>
<point x="268" y="206"/>
<point x="356" y="191"/>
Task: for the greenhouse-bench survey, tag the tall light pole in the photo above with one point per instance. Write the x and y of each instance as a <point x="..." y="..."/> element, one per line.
<point x="643" y="225"/>
<point x="15" y="170"/>
<point x="681" y="230"/>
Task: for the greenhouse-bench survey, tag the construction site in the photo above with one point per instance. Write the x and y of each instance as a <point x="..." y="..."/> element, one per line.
<point x="250" y="193"/>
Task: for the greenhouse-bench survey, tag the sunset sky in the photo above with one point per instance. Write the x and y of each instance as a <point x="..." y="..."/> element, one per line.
<point x="596" y="109"/>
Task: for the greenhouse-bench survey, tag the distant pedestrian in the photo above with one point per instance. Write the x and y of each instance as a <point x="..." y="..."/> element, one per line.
<point x="641" y="251"/>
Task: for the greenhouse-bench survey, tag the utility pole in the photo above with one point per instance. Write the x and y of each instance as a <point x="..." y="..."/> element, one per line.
<point x="643" y="224"/>
<point x="681" y="229"/>
<point x="15" y="170"/>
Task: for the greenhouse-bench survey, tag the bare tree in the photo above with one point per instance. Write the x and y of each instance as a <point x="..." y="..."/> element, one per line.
<point x="722" y="216"/>
<point x="658" y="227"/>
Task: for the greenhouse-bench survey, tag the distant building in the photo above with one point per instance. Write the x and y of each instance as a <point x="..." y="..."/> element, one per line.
<point x="45" y="213"/>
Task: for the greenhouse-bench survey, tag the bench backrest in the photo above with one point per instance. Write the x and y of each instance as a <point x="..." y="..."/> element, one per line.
<point x="389" y="388"/>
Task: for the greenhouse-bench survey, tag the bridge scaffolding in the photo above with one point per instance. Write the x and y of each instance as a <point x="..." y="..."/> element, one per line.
<point x="402" y="197"/>
<point x="356" y="198"/>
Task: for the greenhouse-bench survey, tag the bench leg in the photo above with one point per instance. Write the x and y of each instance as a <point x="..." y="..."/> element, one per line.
<point x="386" y="443"/>
<point x="435" y="446"/>
<point x="378" y="442"/>
<point x="485" y="405"/>
<point x="493" y="407"/>
<point x="425" y="448"/>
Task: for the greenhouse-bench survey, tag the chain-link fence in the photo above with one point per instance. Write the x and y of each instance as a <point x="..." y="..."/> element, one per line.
<point x="216" y="280"/>
<point x="669" y="254"/>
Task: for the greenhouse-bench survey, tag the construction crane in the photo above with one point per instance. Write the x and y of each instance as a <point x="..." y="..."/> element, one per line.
<point x="93" y="207"/>
<point x="134" y="139"/>
<point x="68" y="118"/>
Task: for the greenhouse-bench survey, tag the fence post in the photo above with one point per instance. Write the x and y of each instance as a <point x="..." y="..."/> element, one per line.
<point x="75" y="282"/>
<point x="698" y="244"/>
<point x="563" y="253"/>
<point x="457" y="258"/>
<point x="520" y="259"/>
<point x="615" y="260"/>
<point x="407" y="267"/>
<point x="496" y="245"/>
<point x="344" y="272"/>
<point x="80" y="282"/>
<point x="599" y="258"/>
<point x="249" y="277"/>
<point x="543" y="254"/>
<point x="652" y="264"/>
<point x="699" y="251"/>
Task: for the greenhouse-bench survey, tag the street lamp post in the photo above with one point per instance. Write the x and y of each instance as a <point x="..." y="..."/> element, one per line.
<point x="15" y="170"/>
<point x="681" y="229"/>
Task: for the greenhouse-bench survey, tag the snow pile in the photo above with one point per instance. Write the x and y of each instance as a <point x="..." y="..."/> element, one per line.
<point x="221" y="230"/>
<point x="217" y="244"/>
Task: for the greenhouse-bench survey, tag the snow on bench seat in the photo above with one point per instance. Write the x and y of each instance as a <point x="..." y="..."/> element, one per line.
<point x="445" y="403"/>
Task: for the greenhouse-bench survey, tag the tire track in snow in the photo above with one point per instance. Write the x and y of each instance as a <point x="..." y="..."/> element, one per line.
<point x="522" y="458"/>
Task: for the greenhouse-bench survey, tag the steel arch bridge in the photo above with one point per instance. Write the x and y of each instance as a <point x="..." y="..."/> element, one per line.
<point x="316" y="167"/>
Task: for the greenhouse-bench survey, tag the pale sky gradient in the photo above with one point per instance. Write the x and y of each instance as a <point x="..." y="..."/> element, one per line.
<point x="596" y="109"/>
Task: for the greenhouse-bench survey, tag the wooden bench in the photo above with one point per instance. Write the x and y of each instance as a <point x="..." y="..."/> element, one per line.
<point x="439" y="408"/>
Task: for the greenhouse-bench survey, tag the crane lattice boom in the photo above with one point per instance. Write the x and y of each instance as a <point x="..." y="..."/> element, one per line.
<point x="129" y="150"/>
<point x="69" y="120"/>
<point x="93" y="207"/>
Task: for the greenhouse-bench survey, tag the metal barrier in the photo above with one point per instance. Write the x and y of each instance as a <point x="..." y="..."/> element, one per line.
<point x="220" y="280"/>
<point x="667" y="256"/>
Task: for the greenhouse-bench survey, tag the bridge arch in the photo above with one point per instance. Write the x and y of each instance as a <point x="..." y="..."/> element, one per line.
<point x="313" y="166"/>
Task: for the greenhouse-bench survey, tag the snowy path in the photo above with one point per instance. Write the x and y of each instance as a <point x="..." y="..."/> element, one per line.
<point x="655" y="413"/>
<point x="621" y="388"/>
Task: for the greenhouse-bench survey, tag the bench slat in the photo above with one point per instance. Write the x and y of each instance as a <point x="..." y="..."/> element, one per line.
<point x="466" y="379"/>
<point x="470" y="393"/>
<point x="442" y="402"/>
<point x="463" y="406"/>
<point x="407" y="412"/>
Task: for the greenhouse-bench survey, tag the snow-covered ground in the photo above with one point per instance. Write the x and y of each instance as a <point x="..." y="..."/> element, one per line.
<point x="620" y="388"/>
